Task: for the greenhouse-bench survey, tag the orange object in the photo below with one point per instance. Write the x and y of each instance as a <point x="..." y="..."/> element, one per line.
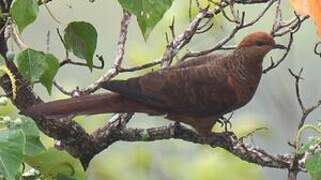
<point x="311" y="8"/>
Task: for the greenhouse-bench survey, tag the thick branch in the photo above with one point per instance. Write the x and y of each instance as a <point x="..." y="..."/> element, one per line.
<point x="226" y="140"/>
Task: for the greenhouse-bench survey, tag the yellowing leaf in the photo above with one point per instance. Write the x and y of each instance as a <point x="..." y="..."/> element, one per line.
<point x="300" y="6"/>
<point x="311" y="8"/>
<point x="315" y="13"/>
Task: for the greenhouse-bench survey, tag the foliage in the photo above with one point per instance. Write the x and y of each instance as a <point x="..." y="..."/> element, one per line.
<point x="81" y="39"/>
<point x="20" y="144"/>
<point x="311" y="8"/>
<point x="37" y="66"/>
<point x="20" y="138"/>
<point x="24" y="12"/>
<point x="148" y="12"/>
<point x="312" y="150"/>
<point x="11" y="154"/>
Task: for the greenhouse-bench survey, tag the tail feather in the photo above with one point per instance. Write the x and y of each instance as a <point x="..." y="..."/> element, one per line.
<point x="89" y="104"/>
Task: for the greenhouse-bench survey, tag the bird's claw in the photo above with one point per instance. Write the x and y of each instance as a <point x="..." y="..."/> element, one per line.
<point x="225" y="122"/>
<point x="174" y="127"/>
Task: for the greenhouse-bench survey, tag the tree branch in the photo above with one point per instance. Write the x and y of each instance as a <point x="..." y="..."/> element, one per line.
<point x="118" y="60"/>
<point x="84" y="146"/>
<point x="226" y="140"/>
<point x="293" y="171"/>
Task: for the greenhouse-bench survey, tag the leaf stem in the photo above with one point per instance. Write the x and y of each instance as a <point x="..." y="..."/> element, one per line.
<point x="299" y="133"/>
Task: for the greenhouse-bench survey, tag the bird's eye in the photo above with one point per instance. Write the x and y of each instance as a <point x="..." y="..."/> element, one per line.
<point x="259" y="43"/>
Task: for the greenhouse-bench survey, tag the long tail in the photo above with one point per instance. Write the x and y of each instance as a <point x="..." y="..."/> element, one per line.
<point x="89" y="104"/>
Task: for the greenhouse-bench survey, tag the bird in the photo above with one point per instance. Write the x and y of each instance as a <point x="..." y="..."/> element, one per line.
<point x="196" y="92"/>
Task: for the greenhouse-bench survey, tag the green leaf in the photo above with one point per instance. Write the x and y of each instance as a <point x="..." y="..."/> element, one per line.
<point x="54" y="164"/>
<point x="52" y="68"/>
<point x="313" y="164"/>
<point x="24" y="12"/>
<point x="38" y="66"/>
<point x="81" y="39"/>
<point x="33" y="144"/>
<point x="148" y="12"/>
<point x="31" y="64"/>
<point x="12" y="143"/>
<point x="312" y="141"/>
<point x="2" y="61"/>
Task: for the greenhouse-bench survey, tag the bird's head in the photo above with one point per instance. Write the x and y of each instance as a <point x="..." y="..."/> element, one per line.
<point x="258" y="44"/>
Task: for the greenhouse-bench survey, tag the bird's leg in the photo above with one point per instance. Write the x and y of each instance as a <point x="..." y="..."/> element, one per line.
<point x="177" y="124"/>
<point x="225" y="122"/>
<point x="173" y="127"/>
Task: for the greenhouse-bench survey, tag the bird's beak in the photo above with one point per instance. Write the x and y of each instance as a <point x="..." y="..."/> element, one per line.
<point x="279" y="46"/>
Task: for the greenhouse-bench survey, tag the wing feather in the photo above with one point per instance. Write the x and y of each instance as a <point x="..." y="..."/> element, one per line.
<point x="197" y="87"/>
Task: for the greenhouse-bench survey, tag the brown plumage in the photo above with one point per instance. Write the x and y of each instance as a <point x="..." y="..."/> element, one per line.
<point x="197" y="91"/>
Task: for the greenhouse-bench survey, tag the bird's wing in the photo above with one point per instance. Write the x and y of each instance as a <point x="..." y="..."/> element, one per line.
<point x="195" y="61"/>
<point x="195" y="89"/>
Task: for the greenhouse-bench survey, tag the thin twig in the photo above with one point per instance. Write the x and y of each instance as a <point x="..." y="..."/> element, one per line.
<point x="140" y="67"/>
<point x="298" y="77"/>
<point x="291" y="26"/>
<point x="63" y="43"/>
<point x="278" y="16"/>
<point x="277" y="63"/>
<point x="316" y="51"/>
<point x="172" y="28"/>
<point x="62" y="89"/>
<point x="69" y="61"/>
<point x="238" y="27"/>
<point x="305" y="111"/>
<point x="293" y="170"/>
<point x="180" y="41"/>
<point x="118" y="60"/>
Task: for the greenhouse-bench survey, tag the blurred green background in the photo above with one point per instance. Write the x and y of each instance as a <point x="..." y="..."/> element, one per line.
<point x="274" y="105"/>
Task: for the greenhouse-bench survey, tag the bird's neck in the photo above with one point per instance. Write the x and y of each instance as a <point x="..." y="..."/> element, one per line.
<point x="247" y="74"/>
<point x="249" y="56"/>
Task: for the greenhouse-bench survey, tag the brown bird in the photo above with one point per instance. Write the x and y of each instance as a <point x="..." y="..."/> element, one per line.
<point x="196" y="92"/>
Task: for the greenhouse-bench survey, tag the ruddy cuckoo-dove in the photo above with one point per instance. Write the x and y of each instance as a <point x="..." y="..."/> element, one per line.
<point x="197" y="91"/>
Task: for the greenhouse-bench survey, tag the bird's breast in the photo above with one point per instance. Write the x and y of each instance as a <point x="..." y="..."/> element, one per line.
<point x="244" y="86"/>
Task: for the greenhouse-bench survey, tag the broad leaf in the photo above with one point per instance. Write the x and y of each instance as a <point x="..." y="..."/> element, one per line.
<point x="148" y="12"/>
<point x="12" y="143"/>
<point x="81" y="39"/>
<point x="52" y="68"/>
<point x="315" y="13"/>
<point x="24" y="12"/>
<point x="311" y="142"/>
<point x="38" y="66"/>
<point x="33" y="144"/>
<point x="31" y="64"/>
<point x="309" y="7"/>
<point x="313" y="164"/>
<point x="54" y="164"/>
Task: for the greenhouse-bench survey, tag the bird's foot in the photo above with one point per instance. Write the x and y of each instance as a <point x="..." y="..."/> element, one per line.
<point x="225" y="122"/>
<point x="174" y="127"/>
